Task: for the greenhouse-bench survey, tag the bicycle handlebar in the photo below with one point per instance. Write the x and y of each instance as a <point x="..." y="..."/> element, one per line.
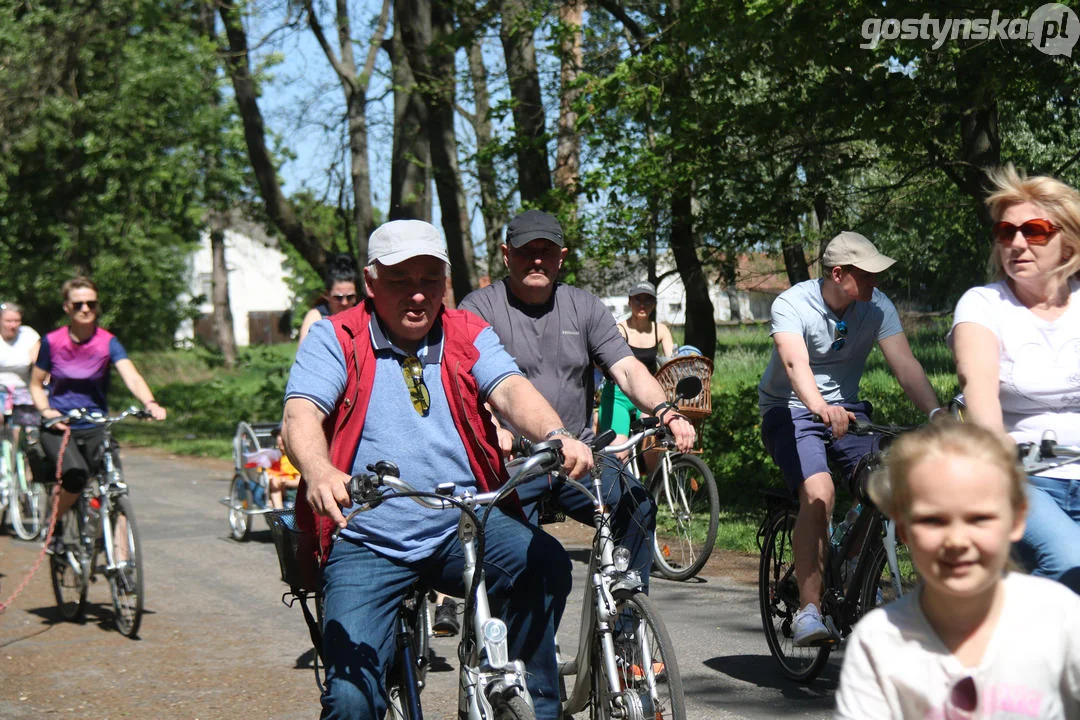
<point x="864" y="427"/>
<point x="364" y="489"/>
<point x="1046" y="454"/>
<point x="97" y="418"/>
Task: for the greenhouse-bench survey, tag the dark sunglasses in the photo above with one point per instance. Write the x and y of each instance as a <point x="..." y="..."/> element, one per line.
<point x="343" y="299"/>
<point x="839" y="335"/>
<point x="90" y="304"/>
<point x="1036" y="232"/>
<point x="413" y="370"/>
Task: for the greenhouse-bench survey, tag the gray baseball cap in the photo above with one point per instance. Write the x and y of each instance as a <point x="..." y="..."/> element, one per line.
<point x="851" y="248"/>
<point x="400" y="240"/>
<point x="642" y="288"/>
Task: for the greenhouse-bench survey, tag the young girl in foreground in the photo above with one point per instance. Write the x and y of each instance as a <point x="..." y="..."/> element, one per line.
<point x="974" y="641"/>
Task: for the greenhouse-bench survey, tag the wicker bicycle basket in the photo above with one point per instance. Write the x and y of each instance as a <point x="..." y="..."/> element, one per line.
<point x="675" y="370"/>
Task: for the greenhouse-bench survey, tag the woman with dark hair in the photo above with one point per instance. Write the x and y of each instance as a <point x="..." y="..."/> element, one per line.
<point x="340" y="280"/>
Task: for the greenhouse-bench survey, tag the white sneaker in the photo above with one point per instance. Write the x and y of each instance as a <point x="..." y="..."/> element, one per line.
<point x="807" y="628"/>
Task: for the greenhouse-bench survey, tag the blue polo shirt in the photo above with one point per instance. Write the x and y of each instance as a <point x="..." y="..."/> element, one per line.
<point x="427" y="449"/>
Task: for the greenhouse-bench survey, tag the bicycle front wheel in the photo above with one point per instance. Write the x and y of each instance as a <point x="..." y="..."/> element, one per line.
<point x="511" y="706"/>
<point x="28" y="504"/>
<point x="648" y="673"/>
<point x="687" y="516"/>
<point x="881" y="586"/>
<point x="778" y="596"/>
<point x="70" y="570"/>
<point x="239" y="502"/>
<point x="126" y="580"/>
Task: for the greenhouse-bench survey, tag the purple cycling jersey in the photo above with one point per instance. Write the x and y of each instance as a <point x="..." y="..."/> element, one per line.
<point x="80" y="371"/>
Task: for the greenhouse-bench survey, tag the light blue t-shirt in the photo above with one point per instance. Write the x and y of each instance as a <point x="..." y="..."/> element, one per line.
<point x="802" y="310"/>
<point x="427" y="450"/>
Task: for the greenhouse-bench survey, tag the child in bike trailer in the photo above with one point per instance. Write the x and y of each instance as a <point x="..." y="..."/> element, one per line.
<point x="976" y="640"/>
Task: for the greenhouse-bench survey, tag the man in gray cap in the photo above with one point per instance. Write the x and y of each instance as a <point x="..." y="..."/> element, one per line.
<point x="823" y="331"/>
<point x="401" y="378"/>
<point x="557" y="333"/>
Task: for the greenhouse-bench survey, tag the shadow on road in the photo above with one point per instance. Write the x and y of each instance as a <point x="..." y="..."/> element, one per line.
<point x="761" y="670"/>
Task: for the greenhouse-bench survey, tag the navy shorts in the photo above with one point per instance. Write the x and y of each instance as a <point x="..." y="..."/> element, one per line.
<point x="797" y="443"/>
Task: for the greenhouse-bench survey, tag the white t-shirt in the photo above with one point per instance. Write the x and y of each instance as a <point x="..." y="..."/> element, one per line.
<point x="1039" y="363"/>
<point x="15" y="358"/>
<point x="895" y="665"/>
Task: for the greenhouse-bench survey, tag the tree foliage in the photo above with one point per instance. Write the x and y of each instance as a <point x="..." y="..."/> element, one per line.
<point x="105" y="119"/>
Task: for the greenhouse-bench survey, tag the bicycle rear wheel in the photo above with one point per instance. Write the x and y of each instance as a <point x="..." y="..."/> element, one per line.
<point x="70" y="570"/>
<point x="28" y="503"/>
<point x="648" y="671"/>
<point x="126" y="581"/>
<point x="879" y="587"/>
<point x="778" y="595"/>
<point x="687" y="517"/>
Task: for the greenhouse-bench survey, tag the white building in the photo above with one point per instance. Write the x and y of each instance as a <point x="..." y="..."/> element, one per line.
<point x="260" y="300"/>
<point x="754" y="293"/>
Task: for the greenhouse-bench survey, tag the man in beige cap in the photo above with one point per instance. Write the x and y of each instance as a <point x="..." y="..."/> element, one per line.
<point x="823" y="331"/>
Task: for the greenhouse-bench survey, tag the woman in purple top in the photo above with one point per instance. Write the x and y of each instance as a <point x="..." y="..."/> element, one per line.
<point x="76" y="358"/>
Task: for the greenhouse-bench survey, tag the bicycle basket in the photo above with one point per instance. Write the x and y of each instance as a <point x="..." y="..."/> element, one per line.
<point x="295" y="551"/>
<point x="675" y="370"/>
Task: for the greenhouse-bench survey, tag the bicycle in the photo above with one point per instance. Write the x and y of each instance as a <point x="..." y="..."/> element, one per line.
<point x="24" y="500"/>
<point x="864" y="569"/>
<point x="492" y="685"/>
<point x="625" y="664"/>
<point x="101" y="537"/>
<point x="687" y="501"/>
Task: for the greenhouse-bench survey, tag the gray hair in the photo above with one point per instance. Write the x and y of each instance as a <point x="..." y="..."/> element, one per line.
<point x="10" y="307"/>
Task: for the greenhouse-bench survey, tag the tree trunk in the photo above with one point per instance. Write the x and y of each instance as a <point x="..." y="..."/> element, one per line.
<point x="980" y="143"/>
<point x="410" y="164"/>
<point x="278" y="207"/>
<point x="491" y="206"/>
<point x="795" y="262"/>
<point x="219" y="282"/>
<point x="427" y="42"/>
<point x="568" y="147"/>
<point x="700" y="328"/>
<point x="530" y="136"/>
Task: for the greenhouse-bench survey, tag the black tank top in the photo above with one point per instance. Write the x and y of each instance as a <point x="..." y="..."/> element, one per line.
<point x="647" y="355"/>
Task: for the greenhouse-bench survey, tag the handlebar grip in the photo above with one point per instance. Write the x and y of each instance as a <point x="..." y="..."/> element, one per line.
<point x="364" y="488"/>
<point x="602" y="440"/>
<point x="521" y="446"/>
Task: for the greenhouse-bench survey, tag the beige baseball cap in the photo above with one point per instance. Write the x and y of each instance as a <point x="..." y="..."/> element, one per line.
<point x="400" y="240"/>
<point x="851" y="248"/>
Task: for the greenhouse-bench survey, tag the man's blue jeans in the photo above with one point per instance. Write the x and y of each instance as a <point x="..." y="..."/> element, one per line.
<point x="633" y="519"/>
<point x="528" y="579"/>
<point x="1051" y="543"/>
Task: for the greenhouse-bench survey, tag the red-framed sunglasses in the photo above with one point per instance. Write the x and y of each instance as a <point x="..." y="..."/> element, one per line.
<point x="1036" y="232"/>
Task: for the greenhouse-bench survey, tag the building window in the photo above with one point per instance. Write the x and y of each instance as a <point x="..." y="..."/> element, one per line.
<point x="674" y="307"/>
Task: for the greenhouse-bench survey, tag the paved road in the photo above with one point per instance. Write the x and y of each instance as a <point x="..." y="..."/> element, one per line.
<point x="217" y="642"/>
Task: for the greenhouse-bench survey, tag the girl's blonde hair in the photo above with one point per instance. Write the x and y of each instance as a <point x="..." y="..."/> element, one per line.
<point x="889" y="488"/>
<point x="1062" y="203"/>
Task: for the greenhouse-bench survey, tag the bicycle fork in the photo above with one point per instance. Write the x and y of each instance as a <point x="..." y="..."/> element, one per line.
<point x="486" y="668"/>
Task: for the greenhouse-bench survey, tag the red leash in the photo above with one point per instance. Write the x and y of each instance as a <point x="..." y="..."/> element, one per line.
<point x="52" y="526"/>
